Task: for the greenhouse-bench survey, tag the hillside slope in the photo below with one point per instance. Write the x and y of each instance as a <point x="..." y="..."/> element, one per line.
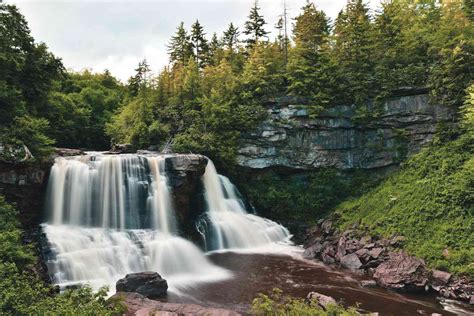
<point x="429" y="202"/>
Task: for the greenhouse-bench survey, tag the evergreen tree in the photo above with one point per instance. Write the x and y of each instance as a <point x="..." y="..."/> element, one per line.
<point x="353" y="51"/>
<point x="215" y="50"/>
<point x="310" y="71"/>
<point x="199" y="44"/>
<point x="180" y="47"/>
<point x="254" y="26"/>
<point x="140" y="80"/>
<point x="231" y="37"/>
<point x="311" y="29"/>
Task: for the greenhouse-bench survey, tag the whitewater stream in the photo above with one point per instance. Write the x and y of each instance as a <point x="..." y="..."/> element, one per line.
<point x="109" y="215"/>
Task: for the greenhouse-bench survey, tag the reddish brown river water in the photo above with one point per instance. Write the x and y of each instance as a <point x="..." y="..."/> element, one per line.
<point x="260" y="273"/>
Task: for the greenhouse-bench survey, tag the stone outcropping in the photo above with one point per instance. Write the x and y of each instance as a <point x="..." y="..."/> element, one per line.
<point x="402" y="272"/>
<point x="149" y="284"/>
<point x="139" y="305"/>
<point x="339" y="137"/>
<point x="382" y="259"/>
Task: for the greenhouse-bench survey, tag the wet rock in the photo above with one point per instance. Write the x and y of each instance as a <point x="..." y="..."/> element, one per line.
<point x="369" y="246"/>
<point x="122" y="149"/>
<point x="323" y="300"/>
<point x="368" y="283"/>
<point x="68" y="152"/>
<point x="139" y="305"/>
<point x="440" y="277"/>
<point x="375" y="252"/>
<point x="363" y="254"/>
<point x="149" y="284"/>
<point x="313" y="250"/>
<point x="403" y="273"/>
<point x="351" y="261"/>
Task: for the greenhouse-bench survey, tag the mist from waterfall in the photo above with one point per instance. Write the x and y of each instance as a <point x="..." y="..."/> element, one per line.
<point x="232" y="227"/>
<point x="110" y="215"/>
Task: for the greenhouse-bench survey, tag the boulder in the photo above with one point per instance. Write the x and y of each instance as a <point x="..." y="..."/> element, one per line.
<point x="440" y="278"/>
<point x="351" y="261"/>
<point x="314" y="250"/>
<point x="403" y="273"/>
<point x="368" y="283"/>
<point x="322" y="300"/>
<point x="68" y="152"/>
<point x="122" y="149"/>
<point x="139" y="305"/>
<point x="149" y="284"/>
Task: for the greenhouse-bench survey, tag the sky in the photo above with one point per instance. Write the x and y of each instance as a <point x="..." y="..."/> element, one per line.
<point x="117" y="34"/>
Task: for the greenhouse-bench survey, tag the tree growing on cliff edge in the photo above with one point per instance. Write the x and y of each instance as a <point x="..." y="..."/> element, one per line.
<point x="353" y="52"/>
<point x="310" y="71"/>
<point x="254" y="26"/>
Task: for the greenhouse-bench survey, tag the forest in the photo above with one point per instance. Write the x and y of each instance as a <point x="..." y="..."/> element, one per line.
<point x="218" y="87"/>
<point x="215" y="87"/>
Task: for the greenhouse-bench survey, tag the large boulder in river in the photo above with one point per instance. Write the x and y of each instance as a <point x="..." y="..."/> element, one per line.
<point x="403" y="273"/>
<point x="149" y="284"/>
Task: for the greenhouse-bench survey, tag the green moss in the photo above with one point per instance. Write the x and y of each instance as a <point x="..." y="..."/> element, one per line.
<point x="429" y="202"/>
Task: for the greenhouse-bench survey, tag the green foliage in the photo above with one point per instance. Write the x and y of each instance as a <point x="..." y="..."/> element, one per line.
<point x="303" y="197"/>
<point x="254" y="26"/>
<point x="22" y="293"/>
<point x="429" y="202"/>
<point x="278" y="304"/>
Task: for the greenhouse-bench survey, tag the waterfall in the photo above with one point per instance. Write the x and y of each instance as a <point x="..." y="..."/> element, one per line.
<point x="110" y="215"/>
<point x="232" y="226"/>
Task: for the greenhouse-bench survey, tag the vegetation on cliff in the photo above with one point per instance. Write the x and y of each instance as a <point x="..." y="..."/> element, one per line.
<point x="430" y="201"/>
<point x="21" y="290"/>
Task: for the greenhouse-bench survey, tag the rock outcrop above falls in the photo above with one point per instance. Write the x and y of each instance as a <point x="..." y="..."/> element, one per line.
<point x="339" y="137"/>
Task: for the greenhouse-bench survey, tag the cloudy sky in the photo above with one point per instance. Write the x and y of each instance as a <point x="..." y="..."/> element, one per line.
<point x="116" y="35"/>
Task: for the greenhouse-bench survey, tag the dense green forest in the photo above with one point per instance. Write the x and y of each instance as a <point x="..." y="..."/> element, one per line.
<point x="215" y="87"/>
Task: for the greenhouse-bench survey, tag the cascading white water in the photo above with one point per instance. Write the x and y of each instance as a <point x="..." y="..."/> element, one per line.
<point x="111" y="215"/>
<point x="232" y="226"/>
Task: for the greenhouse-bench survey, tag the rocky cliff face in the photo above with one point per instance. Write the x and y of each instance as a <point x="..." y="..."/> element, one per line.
<point x="339" y="138"/>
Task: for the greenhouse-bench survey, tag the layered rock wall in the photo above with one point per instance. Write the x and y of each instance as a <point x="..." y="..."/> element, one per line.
<point x="339" y="137"/>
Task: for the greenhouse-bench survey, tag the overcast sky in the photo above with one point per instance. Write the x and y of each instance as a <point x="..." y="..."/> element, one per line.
<point x="116" y="35"/>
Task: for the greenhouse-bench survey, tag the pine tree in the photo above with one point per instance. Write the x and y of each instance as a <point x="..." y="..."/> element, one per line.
<point x="140" y="80"/>
<point x="180" y="47"/>
<point x="231" y="37"/>
<point x="215" y="50"/>
<point x="311" y="29"/>
<point x="354" y="46"/>
<point x="310" y="71"/>
<point x="254" y="27"/>
<point x="199" y="44"/>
